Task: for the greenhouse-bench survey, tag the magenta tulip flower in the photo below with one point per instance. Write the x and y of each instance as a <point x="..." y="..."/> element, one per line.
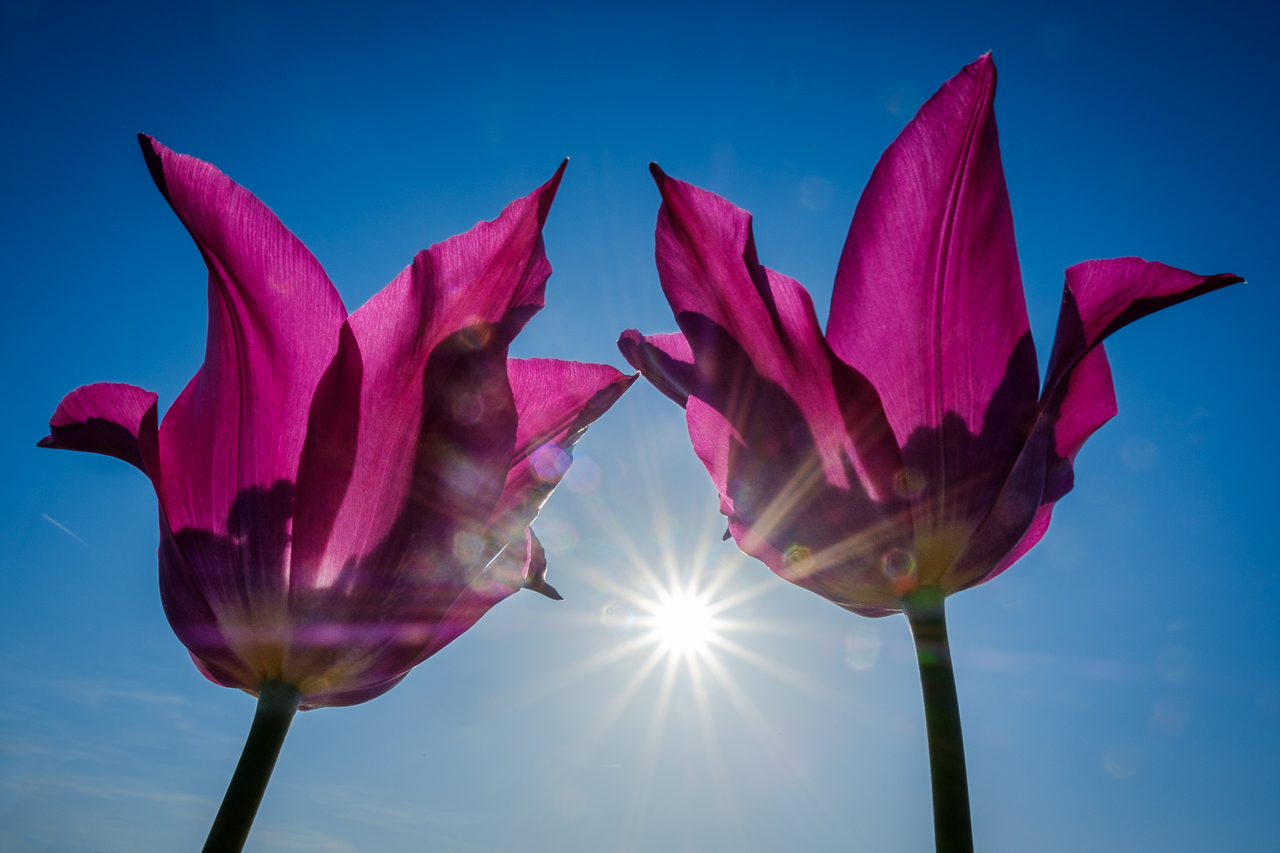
<point x="342" y="496"/>
<point x="910" y="452"/>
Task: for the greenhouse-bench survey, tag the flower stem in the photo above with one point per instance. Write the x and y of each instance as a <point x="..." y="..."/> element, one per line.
<point x="277" y="703"/>
<point x="952" y="829"/>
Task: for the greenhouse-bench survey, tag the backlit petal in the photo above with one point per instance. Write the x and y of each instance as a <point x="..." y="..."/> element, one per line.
<point x="749" y="327"/>
<point x="436" y="435"/>
<point x="556" y="401"/>
<point x="426" y="340"/>
<point x="111" y="419"/>
<point x="928" y="303"/>
<point x="1100" y="297"/>
<point x="665" y="360"/>
<point x="231" y="442"/>
<point x="794" y="439"/>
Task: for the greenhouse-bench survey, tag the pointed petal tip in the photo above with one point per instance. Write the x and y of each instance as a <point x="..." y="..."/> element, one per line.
<point x="153" y="154"/>
<point x="659" y="176"/>
<point x="47" y="441"/>
<point x="984" y="65"/>
<point x="546" y="193"/>
<point x="549" y="591"/>
<point x="149" y="144"/>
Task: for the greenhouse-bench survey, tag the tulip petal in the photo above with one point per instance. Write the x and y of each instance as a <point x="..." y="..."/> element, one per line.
<point x="535" y="568"/>
<point x="193" y="619"/>
<point x="345" y="698"/>
<point x="111" y="419"/>
<point x="745" y="324"/>
<point x="328" y="459"/>
<point x="1078" y="406"/>
<point x="665" y="360"/>
<point x="1081" y="405"/>
<point x="522" y="564"/>
<point x="231" y="442"/>
<point x="928" y="302"/>
<point x="456" y="306"/>
<point x="432" y="451"/>
<point x="443" y="618"/>
<point x="556" y="401"/>
<point x="1101" y="297"/>
<point x="385" y="604"/>
<point x="795" y="440"/>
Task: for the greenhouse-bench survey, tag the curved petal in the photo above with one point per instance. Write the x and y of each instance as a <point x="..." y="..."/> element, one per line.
<point x="522" y="564"/>
<point x="1019" y="520"/>
<point x="444" y="611"/>
<point x="665" y="360"/>
<point x="328" y="459"/>
<point x="429" y="455"/>
<point x="1098" y="298"/>
<point x="1078" y="406"/>
<point x="231" y="442"/>
<point x="426" y="340"/>
<point x="370" y="615"/>
<point x="795" y="440"/>
<point x="1101" y="297"/>
<point x="745" y="323"/>
<point x="534" y="571"/>
<point x="556" y="401"/>
<point x="928" y="303"/>
<point x="193" y="619"/>
<point x="111" y="419"/>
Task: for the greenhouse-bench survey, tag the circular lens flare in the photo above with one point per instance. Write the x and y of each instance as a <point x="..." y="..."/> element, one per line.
<point x="683" y="624"/>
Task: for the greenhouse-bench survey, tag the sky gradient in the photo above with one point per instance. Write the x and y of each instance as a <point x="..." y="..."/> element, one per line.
<point x="1120" y="686"/>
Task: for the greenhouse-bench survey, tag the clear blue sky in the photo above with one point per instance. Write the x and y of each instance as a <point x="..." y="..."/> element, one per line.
<point x="1120" y="687"/>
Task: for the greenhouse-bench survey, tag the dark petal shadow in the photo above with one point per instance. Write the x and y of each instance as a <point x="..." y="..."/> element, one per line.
<point x="974" y="466"/>
<point x="384" y="607"/>
<point x="669" y="375"/>
<point x="823" y="537"/>
<point x="239" y="577"/>
<point x="96" y="435"/>
<point x="834" y="541"/>
<point x="372" y="622"/>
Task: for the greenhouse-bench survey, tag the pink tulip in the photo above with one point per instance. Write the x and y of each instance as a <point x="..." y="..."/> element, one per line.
<point x="342" y="496"/>
<point x="909" y="452"/>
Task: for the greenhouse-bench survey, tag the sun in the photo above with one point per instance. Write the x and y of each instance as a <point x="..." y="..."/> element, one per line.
<point x="683" y="623"/>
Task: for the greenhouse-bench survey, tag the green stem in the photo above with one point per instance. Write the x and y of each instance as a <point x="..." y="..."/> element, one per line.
<point x="952" y="829"/>
<point x="277" y="703"/>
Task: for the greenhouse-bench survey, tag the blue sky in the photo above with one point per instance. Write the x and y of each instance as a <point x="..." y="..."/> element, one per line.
<point x="1120" y="686"/>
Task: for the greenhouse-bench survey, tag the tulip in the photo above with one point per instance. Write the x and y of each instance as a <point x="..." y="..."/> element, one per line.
<point x="911" y="452"/>
<point x="342" y="496"/>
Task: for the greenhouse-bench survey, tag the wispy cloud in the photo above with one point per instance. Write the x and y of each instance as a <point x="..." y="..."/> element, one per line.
<point x="151" y="698"/>
<point x="360" y="806"/>
<point x="63" y="528"/>
<point x="302" y="840"/>
<point x="110" y="790"/>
